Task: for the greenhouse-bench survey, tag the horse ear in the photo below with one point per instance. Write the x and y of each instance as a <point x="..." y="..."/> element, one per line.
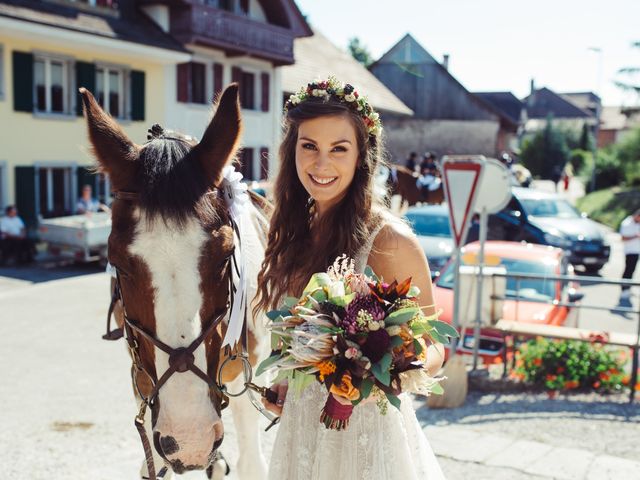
<point x="112" y="147"/>
<point x="221" y="139"/>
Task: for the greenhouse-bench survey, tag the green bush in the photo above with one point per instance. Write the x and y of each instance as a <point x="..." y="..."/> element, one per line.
<point x="609" y="170"/>
<point x="570" y="365"/>
<point x="546" y="153"/>
<point x="628" y="154"/>
<point x="581" y="162"/>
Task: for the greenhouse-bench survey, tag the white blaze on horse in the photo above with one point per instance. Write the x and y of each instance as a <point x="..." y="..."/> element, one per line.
<point x="174" y="244"/>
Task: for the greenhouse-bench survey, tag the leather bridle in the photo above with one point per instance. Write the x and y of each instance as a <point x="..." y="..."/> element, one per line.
<point x="182" y="359"/>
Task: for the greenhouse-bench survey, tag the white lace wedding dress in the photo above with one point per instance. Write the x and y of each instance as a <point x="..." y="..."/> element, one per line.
<point x="373" y="447"/>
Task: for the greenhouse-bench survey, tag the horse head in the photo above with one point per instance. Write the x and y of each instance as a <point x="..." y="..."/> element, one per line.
<point x="170" y="243"/>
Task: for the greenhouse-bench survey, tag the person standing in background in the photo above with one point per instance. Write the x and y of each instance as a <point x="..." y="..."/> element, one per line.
<point x="630" y="232"/>
<point x="411" y="161"/>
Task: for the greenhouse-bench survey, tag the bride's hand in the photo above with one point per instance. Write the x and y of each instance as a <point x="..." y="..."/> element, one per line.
<point x="281" y="390"/>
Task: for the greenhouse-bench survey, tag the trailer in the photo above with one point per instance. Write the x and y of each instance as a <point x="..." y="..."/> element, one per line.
<point x="81" y="238"/>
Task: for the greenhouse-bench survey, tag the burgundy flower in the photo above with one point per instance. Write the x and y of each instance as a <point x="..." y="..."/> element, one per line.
<point x="376" y="345"/>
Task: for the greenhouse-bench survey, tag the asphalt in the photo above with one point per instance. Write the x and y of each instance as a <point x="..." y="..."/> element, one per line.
<point x="67" y="411"/>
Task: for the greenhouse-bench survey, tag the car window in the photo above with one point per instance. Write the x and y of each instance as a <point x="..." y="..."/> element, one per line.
<point x="525" y="289"/>
<point x="429" y="224"/>
<point x="549" y="207"/>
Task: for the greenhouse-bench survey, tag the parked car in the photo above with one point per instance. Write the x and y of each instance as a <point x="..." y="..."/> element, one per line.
<point x="527" y="300"/>
<point x="546" y="218"/>
<point x="431" y="224"/>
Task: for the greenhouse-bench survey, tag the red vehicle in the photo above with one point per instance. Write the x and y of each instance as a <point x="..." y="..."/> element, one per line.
<point x="529" y="300"/>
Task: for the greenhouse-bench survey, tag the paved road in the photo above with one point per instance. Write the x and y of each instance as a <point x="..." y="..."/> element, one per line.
<point x="66" y="408"/>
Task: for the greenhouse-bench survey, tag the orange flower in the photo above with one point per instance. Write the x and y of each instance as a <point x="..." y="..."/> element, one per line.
<point x="537" y="362"/>
<point x="596" y="384"/>
<point x="326" y="367"/>
<point x="626" y="379"/>
<point x="551" y="378"/>
<point x="560" y="369"/>
<point x="346" y="388"/>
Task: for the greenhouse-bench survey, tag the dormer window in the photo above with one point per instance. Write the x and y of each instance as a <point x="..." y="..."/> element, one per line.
<point x="239" y="7"/>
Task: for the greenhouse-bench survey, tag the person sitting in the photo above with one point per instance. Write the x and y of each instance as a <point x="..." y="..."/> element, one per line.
<point x="429" y="181"/>
<point x="412" y="161"/>
<point x="428" y="162"/>
<point x="87" y="204"/>
<point x="13" y="237"/>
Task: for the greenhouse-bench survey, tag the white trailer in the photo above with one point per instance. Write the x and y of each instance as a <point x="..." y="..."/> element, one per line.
<point x="82" y="238"/>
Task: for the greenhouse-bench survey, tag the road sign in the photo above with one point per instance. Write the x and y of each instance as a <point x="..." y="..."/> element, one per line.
<point x="461" y="180"/>
<point x="494" y="191"/>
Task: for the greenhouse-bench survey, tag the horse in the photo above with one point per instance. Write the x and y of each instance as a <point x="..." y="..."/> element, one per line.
<point x="172" y="243"/>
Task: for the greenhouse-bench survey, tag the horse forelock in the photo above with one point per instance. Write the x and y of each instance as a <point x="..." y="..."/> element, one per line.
<point x="172" y="184"/>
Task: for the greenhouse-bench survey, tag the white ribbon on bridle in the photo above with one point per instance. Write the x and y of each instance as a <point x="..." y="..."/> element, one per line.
<point x="237" y="199"/>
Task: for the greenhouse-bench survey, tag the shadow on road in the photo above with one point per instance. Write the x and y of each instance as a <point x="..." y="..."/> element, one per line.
<point x="39" y="273"/>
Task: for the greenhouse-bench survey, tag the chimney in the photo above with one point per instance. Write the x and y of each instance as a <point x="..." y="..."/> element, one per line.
<point x="533" y="86"/>
<point x="445" y="61"/>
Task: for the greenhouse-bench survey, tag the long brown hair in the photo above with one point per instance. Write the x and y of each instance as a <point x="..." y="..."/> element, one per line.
<point x="293" y="254"/>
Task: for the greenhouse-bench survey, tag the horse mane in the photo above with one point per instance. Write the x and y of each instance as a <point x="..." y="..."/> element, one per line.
<point x="173" y="183"/>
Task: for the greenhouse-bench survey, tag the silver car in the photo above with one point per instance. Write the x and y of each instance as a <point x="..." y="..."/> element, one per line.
<point x="431" y="224"/>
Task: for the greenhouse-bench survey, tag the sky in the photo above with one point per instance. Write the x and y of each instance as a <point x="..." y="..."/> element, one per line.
<point x="500" y="45"/>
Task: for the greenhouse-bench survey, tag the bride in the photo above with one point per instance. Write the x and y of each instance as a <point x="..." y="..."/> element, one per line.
<point x="324" y="207"/>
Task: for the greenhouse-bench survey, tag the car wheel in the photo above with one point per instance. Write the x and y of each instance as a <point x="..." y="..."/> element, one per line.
<point x="592" y="269"/>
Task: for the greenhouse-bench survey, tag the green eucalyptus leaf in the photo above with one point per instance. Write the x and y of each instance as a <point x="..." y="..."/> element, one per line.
<point x="383" y="376"/>
<point x="365" y="388"/>
<point x="444" y="328"/>
<point x="393" y="400"/>
<point x="267" y="364"/>
<point x="401" y="316"/>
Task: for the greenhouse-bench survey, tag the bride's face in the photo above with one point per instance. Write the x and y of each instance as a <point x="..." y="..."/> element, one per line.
<point x="326" y="158"/>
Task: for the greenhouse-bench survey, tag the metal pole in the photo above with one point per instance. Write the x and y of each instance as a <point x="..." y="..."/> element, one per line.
<point x="456" y="298"/>
<point x="482" y="236"/>
<point x="634" y="364"/>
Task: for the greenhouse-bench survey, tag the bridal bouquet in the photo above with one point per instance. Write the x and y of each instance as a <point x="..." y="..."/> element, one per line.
<point x="356" y="335"/>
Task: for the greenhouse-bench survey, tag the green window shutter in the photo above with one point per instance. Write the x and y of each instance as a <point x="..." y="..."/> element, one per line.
<point x="85" y="77"/>
<point x="22" y="82"/>
<point x="26" y="195"/>
<point x="137" y="95"/>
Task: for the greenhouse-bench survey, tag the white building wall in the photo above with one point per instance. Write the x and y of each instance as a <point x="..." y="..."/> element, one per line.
<point x="261" y="129"/>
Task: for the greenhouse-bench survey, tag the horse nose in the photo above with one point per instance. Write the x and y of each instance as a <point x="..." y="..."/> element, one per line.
<point x="168" y="445"/>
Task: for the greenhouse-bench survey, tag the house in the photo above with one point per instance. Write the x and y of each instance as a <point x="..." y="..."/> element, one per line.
<point x="448" y="118"/>
<point x="317" y="57"/>
<point x="569" y="111"/>
<point x="47" y="50"/>
<point x="513" y="116"/>
<point x="615" y="124"/>
<point x="146" y="61"/>
<point x="244" y="41"/>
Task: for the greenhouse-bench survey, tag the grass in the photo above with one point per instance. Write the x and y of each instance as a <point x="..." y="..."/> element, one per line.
<point x="610" y="206"/>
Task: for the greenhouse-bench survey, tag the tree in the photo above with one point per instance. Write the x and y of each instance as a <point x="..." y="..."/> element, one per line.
<point x="586" y="142"/>
<point x="546" y="154"/>
<point x="360" y="52"/>
<point x="630" y="82"/>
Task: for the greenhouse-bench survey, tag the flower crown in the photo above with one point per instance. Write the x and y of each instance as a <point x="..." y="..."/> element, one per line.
<point x="344" y="93"/>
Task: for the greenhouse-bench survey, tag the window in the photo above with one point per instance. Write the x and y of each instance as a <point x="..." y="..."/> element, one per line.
<point x="191" y="83"/>
<point x="55" y="191"/>
<point x="248" y="91"/>
<point x="113" y="4"/>
<point x="246" y="168"/>
<point x="51" y="82"/>
<point x="110" y="88"/>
